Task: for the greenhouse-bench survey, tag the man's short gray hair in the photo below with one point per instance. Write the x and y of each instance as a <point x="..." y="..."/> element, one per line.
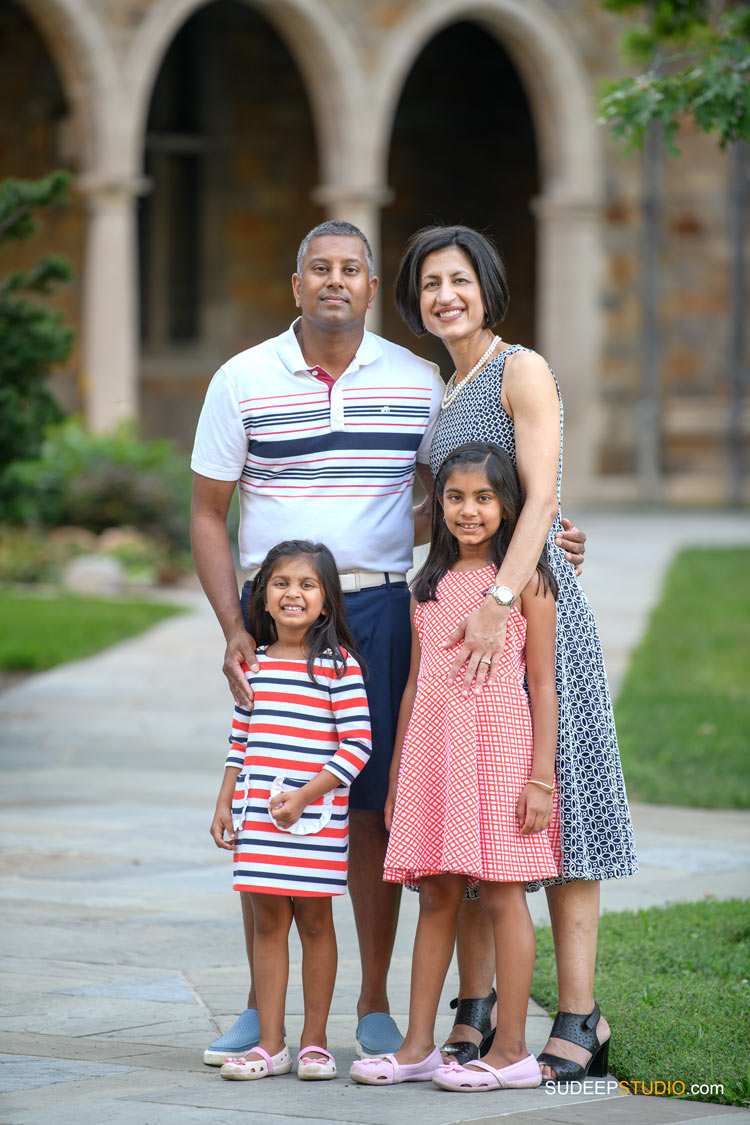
<point x="338" y="227"/>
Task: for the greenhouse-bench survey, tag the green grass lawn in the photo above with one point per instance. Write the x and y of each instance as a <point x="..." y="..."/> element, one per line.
<point x="683" y="716"/>
<point x="37" y="632"/>
<point x="674" y="984"/>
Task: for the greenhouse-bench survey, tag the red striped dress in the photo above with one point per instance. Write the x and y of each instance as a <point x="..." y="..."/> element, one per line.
<point x="465" y="761"/>
<point x="296" y="728"/>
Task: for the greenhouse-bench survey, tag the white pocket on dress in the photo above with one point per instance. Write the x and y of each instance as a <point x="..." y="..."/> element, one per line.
<point x="306" y="825"/>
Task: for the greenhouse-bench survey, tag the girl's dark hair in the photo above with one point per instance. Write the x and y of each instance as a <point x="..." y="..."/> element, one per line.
<point x="484" y="257"/>
<point x="501" y="473"/>
<point x="330" y="633"/>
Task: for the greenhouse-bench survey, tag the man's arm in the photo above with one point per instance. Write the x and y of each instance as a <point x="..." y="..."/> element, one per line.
<point x="214" y="565"/>
<point x="423" y="511"/>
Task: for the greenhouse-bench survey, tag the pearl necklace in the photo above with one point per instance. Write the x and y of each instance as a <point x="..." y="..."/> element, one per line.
<point x="453" y="390"/>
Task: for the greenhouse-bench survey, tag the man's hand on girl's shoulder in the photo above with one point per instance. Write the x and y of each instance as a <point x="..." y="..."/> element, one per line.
<point x="239" y="657"/>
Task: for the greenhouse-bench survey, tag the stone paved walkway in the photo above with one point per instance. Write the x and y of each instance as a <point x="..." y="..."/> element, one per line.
<point x="122" y="951"/>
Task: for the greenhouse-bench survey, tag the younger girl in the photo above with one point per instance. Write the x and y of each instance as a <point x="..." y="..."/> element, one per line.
<point x="472" y="794"/>
<point x="284" y="800"/>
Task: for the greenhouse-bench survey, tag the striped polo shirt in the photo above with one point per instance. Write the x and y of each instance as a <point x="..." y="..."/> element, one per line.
<point x="334" y="465"/>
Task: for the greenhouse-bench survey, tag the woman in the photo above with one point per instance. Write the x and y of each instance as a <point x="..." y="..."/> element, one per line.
<point x="451" y="283"/>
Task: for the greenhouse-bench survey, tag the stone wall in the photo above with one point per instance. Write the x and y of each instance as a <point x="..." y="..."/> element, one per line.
<point x="302" y="108"/>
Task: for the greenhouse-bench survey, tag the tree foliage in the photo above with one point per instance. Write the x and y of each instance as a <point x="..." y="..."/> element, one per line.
<point x="697" y="59"/>
<point x="33" y="336"/>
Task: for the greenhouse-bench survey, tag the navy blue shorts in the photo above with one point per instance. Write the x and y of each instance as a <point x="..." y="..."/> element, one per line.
<point x="379" y="621"/>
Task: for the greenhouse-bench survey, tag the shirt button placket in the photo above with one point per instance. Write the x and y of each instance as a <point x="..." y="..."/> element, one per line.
<point x="337" y="407"/>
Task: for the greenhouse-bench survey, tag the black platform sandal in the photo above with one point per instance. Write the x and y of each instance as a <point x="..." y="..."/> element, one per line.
<point x="582" y="1031"/>
<point x="475" y="1013"/>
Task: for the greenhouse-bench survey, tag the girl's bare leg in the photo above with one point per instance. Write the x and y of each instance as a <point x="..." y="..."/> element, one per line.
<point x="272" y="917"/>
<point x="515" y="949"/>
<point x="475" y="954"/>
<point x="248" y="926"/>
<point x="574" y="914"/>
<point x="314" y="920"/>
<point x="439" y="899"/>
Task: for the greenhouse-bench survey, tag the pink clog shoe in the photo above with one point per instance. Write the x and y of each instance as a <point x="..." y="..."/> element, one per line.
<point x="245" y="1069"/>
<point x="480" y="1075"/>
<point x="386" y="1070"/>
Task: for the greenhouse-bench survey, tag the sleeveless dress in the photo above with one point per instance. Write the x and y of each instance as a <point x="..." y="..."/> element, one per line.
<point x="595" y="824"/>
<point x="465" y="761"/>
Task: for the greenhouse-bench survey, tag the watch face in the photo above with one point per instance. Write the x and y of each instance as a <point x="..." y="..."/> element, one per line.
<point x="504" y="594"/>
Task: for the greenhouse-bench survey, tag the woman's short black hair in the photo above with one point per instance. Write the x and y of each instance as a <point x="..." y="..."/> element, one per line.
<point x="483" y="255"/>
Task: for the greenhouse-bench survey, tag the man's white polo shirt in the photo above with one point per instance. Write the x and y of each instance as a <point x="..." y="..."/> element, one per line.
<point x="337" y="470"/>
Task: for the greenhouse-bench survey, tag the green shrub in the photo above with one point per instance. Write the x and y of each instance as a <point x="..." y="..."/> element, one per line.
<point x="34" y="338"/>
<point x="100" y="481"/>
<point x="35" y="556"/>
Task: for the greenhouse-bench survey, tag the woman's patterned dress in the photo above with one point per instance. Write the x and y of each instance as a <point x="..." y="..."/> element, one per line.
<point x="597" y="833"/>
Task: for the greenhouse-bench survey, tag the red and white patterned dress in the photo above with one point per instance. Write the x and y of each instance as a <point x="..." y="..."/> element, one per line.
<point x="465" y="761"/>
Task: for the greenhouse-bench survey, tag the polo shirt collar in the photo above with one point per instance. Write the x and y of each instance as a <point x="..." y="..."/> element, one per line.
<point x="290" y="353"/>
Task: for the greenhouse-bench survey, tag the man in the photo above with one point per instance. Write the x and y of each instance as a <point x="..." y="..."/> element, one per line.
<point x="322" y="430"/>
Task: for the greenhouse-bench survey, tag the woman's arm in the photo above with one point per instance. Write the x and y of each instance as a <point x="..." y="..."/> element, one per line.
<point x="534" y="809"/>
<point x="530" y="397"/>
<point x="404" y="715"/>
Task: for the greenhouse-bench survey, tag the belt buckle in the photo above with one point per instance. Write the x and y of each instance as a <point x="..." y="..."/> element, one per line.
<point x="351" y="582"/>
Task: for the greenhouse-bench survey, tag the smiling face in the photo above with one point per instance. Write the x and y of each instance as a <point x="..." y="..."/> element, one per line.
<point x="472" y="509"/>
<point x="450" y="301"/>
<point x="294" y="596"/>
<point x="334" y="289"/>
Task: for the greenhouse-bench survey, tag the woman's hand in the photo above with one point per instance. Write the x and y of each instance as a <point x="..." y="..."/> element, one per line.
<point x="287" y="808"/>
<point x="483" y="637"/>
<point x="573" y="541"/>
<point x="238" y="657"/>
<point x="533" y="809"/>
<point x="222" y="825"/>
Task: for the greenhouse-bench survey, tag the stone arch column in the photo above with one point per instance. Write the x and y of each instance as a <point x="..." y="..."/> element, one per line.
<point x="90" y="75"/>
<point x="321" y="50"/>
<point x="79" y="47"/>
<point x="568" y="210"/>
<point x="330" y="71"/>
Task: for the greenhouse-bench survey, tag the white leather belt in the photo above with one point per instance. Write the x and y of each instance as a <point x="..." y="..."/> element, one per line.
<point x="353" y="580"/>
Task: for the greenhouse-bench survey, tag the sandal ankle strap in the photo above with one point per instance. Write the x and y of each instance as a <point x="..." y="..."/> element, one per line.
<point x="577" y="1028"/>
<point x="475" y="1011"/>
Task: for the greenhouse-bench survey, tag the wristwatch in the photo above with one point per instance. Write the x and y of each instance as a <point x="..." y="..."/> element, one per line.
<point x="503" y="595"/>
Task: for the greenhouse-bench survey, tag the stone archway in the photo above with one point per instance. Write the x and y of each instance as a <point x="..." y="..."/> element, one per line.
<point x="463" y="150"/>
<point x="321" y="51"/>
<point x="231" y="159"/>
<point x="84" y="59"/>
<point x="568" y="206"/>
<point x="56" y="77"/>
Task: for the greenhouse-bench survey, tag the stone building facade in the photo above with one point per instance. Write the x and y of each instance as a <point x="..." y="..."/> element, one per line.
<point x="206" y="138"/>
